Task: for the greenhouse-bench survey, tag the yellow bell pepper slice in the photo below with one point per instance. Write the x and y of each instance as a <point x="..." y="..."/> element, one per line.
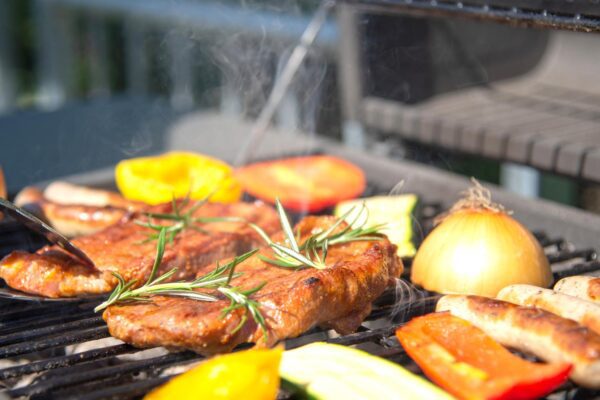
<point x="158" y="179"/>
<point x="250" y="374"/>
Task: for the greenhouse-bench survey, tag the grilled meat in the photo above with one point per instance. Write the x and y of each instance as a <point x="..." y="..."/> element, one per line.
<point x="585" y="312"/>
<point x="292" y="301"/>
<point x="584" y="287"/>
<point x="67" y="193"/>
<point x="123" y="248"/>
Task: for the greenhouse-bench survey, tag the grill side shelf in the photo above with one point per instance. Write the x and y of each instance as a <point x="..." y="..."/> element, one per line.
<point x="555" y="14"/>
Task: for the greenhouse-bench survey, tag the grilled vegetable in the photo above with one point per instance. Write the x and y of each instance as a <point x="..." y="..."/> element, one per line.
<point x="249" y="375"/>
<point x="393" y="211"/>
<point x="159" y="179"/>
<point x="478" y="248"/>
<point x="471" y="365"/>
<point x="328" y="371"/>
<point x="584" y="287"/>
<point x="309" y="183"/>
<point x="585" y="312"/>
<point x="532" y="330"/>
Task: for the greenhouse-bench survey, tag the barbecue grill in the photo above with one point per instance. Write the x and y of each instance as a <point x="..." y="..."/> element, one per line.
<point x="63" y="350"/>
<point x="121" y="371"/>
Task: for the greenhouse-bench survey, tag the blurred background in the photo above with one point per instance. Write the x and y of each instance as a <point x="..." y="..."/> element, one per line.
<point x="85" y="83"/>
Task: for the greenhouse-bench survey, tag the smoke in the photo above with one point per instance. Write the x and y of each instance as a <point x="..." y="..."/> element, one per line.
<point x="411" y="301"/>
<point x="307" y="87"/>
<point x="250" y="64"/>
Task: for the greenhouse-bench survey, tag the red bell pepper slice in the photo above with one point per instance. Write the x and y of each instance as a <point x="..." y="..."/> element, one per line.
<point x="310" y="183"/>
<point x="466" y="362"/>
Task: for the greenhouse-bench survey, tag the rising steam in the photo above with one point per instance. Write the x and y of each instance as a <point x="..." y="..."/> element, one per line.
<point x="411" y="301"/>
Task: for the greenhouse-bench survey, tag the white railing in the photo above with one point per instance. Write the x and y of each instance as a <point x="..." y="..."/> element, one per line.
<point x="182" y="23"/>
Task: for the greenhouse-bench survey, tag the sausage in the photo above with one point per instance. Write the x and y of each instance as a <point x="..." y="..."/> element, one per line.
<point x="582" y="311"/>
<point x="28" y="196"/>
<point x="584" y="287"/>
<point x="533" y="330"/>
<point x="72" y="219"/>
<point x="69" y="194"/>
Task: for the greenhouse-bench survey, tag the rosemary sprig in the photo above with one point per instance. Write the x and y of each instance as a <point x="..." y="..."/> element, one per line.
<point x="313" y="251"/>
<point x="241" y="299"/>
<point x="180" y="220"/>
<point x="218" y="279"/>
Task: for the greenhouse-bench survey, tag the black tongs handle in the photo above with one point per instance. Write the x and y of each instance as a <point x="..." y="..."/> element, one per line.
<point x="36" y="225"/>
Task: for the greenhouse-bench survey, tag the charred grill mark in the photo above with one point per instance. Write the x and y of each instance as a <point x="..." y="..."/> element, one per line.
<point x="311" y="281"/>
<point x="487" y="306"/>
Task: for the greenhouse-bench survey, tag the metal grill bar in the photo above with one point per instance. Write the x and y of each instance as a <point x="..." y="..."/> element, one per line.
<point x="64" y="361"/>
<point x="87" y="376"/>
<point x="62" y="340"/>
<point x="26" y="312"/>
<point x="586" y="254"/>
<point x="129" y="390"/>
<point x="33" y="322"/>
<point x="49" y="330"/>
<point x="578" y="269"/>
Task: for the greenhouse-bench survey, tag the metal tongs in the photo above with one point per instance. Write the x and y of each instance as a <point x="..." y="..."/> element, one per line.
<point x="37" y="225"/>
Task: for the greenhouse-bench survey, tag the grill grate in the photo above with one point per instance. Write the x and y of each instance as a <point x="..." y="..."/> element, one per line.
<point x="41" y="355"/>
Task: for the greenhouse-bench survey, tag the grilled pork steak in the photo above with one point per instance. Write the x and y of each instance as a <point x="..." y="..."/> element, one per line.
<point x="292" y="302"/>
<point x="52" y="272"/>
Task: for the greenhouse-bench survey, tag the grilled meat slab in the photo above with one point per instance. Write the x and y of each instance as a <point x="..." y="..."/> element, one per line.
<point x="292" y="301"/>
<point x="123" y="248"/>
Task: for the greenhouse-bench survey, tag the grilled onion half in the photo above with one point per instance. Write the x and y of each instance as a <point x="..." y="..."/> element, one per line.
<point x="478" y="248"/>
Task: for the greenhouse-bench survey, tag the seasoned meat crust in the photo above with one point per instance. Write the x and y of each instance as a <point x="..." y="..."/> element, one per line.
<point x="292" y="302"/>
<point x="123" y="248"/>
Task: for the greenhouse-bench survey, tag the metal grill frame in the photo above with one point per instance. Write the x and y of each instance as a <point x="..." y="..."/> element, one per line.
<point x="576" y="15"/>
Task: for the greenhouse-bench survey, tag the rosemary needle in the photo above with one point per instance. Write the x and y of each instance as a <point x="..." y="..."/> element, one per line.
<point x="219" y="279"/>
<point x="312" y="252"/>
<point x="180" y="220"/>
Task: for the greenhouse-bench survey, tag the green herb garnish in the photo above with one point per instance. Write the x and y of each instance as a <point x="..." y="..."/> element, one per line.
<point x="219" y="279"/>
<point x="181" y="220"/>
<point x="313" y="251"/>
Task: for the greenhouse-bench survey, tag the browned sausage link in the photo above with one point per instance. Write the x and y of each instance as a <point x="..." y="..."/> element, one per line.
<point x="532" y="330"/>
<point x="585" y="312"/>
<point x="75" y="210"/>
<point x="67" y="193"/>
<point x="584" y="287"/>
